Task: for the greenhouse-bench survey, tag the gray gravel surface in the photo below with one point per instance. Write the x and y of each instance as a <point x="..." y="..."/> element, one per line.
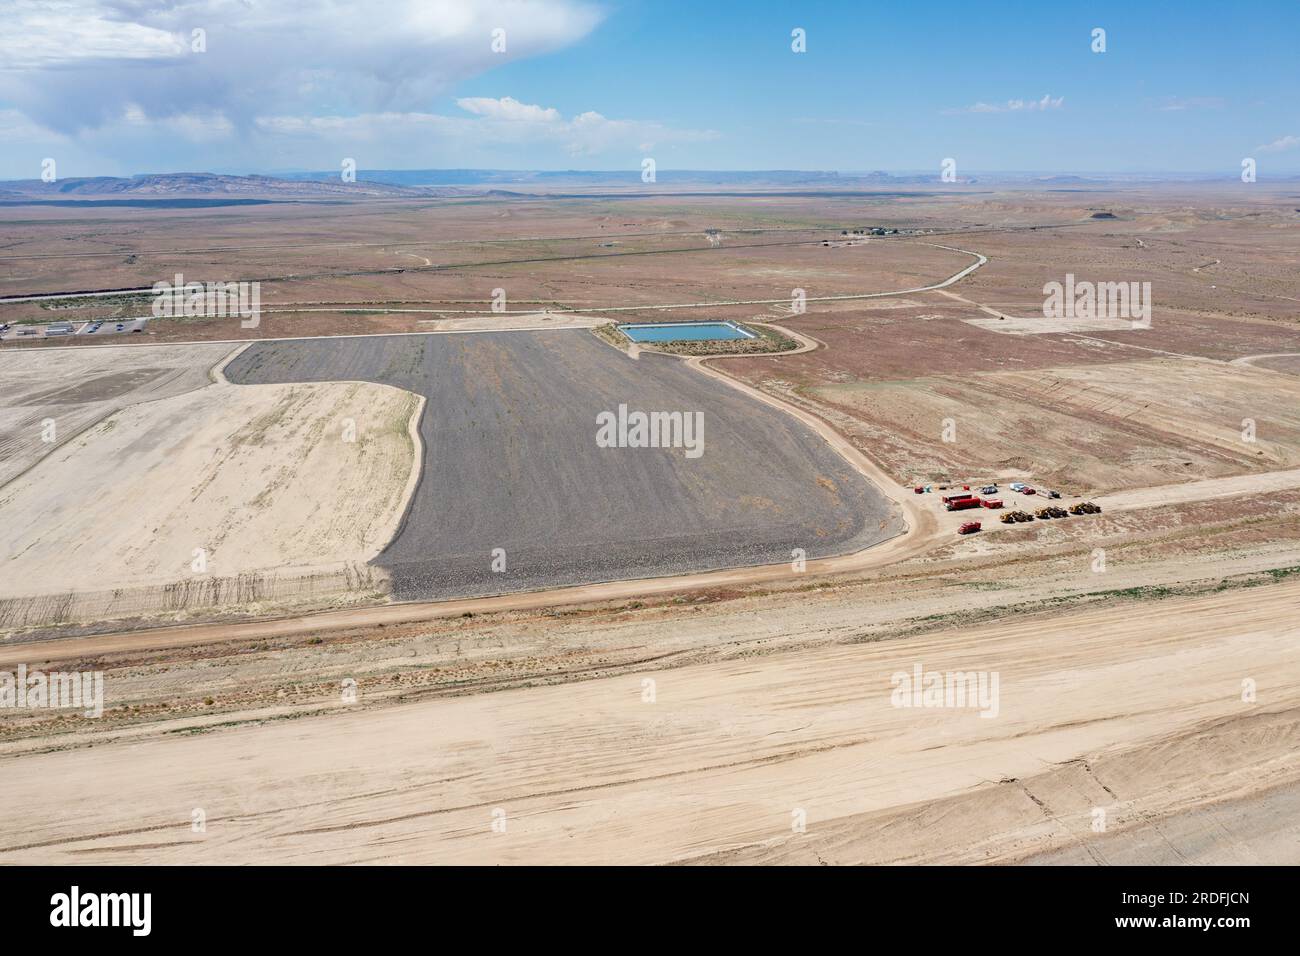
<point x="511" y="461"/>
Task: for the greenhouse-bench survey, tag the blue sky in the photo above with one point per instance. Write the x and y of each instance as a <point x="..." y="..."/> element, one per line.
<point x="302" y="84"/>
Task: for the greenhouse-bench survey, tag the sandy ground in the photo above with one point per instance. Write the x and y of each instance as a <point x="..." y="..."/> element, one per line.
<point x="530" y="320"/>
<point x="73" y="389"/>
<point x="771" y="696"/>
<point x="1209" y="489"/>
<point x="721" y="758"/>
<point x="1260" y="830"/>
<point x="261" y="478"/>
<point x="1088" y="428"/>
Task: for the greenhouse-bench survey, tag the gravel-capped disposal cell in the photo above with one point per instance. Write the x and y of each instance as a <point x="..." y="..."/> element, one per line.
<point x="533" y="477"/>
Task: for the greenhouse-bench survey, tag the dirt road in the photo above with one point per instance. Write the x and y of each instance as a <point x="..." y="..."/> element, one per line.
<point x="1205" y="490"/>
<point x="722" y="760"/>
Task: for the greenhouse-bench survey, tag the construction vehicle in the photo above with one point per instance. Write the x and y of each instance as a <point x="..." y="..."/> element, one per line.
<point x="992" y="502"/>
<point x="1016" y="516"/>
<point x="1085" y="508"/>
<point x="961" y="504"/>
<point x="970" y="527"/>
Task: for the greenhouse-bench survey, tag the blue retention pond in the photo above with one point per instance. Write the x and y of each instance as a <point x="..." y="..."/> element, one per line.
<point x="685" y="332"/>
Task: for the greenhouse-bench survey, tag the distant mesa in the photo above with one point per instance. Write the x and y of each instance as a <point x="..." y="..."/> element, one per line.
<point x="209" y="185"/>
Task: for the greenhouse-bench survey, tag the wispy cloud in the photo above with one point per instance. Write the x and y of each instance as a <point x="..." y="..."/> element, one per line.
<point x="1173" y="104"/>
<point x="493" y="121"/>
<point x="1048" y="102"/>
<point x="1280" y="145"/>
<point x="508" y="108"/>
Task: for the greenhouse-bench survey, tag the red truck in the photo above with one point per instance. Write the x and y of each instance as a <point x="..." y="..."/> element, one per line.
<point x="961" y="504"/>
<point x="970" y="527"/>
<point x="992" y="502"/>
<point x="961" y="496"/>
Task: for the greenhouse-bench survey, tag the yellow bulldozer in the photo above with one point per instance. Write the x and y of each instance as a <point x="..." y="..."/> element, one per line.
<point x="1015" y="516"/>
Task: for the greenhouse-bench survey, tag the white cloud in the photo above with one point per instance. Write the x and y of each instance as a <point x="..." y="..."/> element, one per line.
<point x="493" y="122"/>
<point x="15" y="127"/>
<point x="35" y="34"/>
<point x="508" y="108"/>
<point x="200" y="127"/>
<point x="69" y="65"/>
<point x="1048" y="102"/>
<point x="1280" y="145"/>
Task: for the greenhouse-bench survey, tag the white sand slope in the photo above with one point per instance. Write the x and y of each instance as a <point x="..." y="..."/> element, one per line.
<point x="260" y="478"/>
<point x="75" y="388"/>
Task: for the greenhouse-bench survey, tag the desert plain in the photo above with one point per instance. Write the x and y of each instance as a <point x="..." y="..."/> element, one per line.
<point x="279" y="543"/>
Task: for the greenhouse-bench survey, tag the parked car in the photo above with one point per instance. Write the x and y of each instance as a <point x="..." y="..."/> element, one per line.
<point x="1028" y="491"/>
<point x="1053" y="494"/>
<point x="1017" y="485"/>
<point x="989" y="490"/>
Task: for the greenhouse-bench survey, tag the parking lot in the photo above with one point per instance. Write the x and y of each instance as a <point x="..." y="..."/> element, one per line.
<point x="100" y="328"/>
<point x="990" y="505"/>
